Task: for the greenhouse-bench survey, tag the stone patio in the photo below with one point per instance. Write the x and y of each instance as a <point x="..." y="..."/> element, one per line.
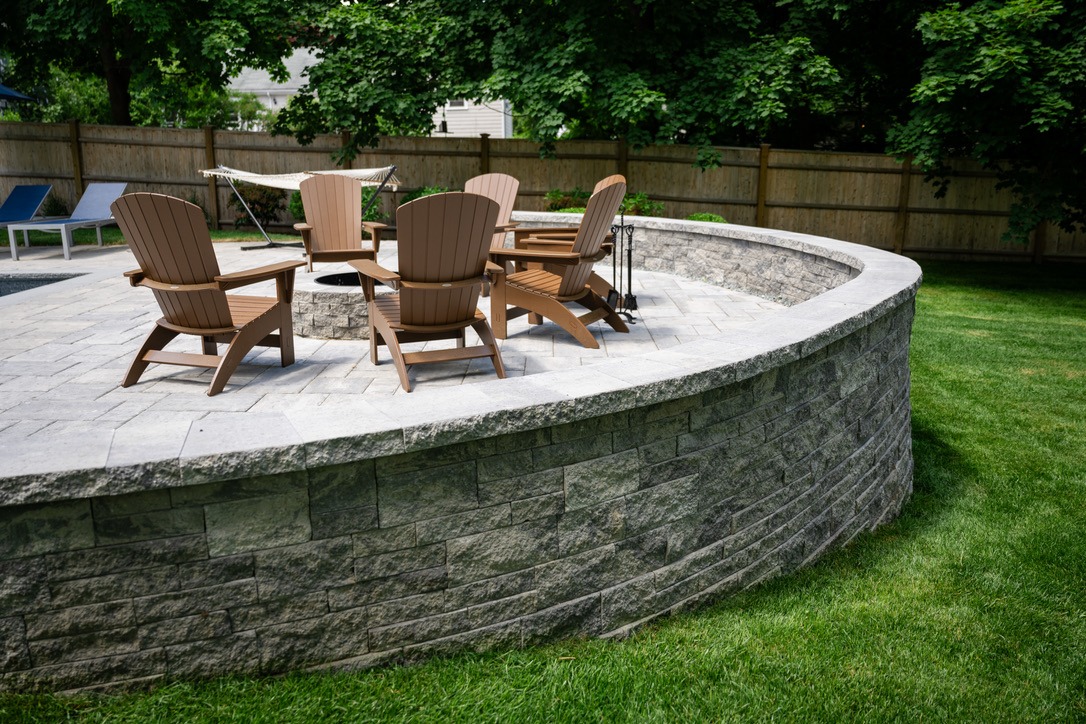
<point x="65" y="346"/>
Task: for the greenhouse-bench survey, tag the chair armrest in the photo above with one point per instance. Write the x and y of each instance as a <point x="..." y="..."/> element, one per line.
<point x="539" y="244"/>
<point x="303" y="226"/>
<point x="373" y="270"/>
<point x="567" y="258"/>
<point x="369" y="270"/>
<point x="545" y="230"/>
<point x="260" y="274"/>
<point x="374" y="228"/>
<point x="507" y="227"/>
<point x="135" y="276"/>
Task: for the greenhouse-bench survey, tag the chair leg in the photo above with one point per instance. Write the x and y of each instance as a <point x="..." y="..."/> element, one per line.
<point x="286" y="335"/>
<point x="373" y="333"/>
<point x="208" y="345"/>
<point x="393" y="343"/>
<point x="156" y="340"/>
<point x="483" y="330"/>
<point x="14" y="246"/>
<point x="66" y="241"/>
<point x="498" y="317"/>
<point x="555" y="311"/>
<point x="246" y="338"/>
<point x="593" y="301"/>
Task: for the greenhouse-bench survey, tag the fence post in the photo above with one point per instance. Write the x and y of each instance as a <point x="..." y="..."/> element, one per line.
<point x="344" y="140"/>
<point x="901" y="223"/>
<point x="1040" y="240"/>
<point x="77" y="157"/>
<point x="763" y="179"/>
<point x="484" y="153"/>
<point x="622" y="152"/>
<point x="212" y="187"/>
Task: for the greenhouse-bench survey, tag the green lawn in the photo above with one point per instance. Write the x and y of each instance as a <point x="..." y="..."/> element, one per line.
<point x="972" y="606"/>
<point x="111" y="235"/>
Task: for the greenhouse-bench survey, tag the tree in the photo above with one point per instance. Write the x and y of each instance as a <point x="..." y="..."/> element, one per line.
<point x="703" y="72"/>
<point x="1004" y="83"/>
<point x="164" y="43"/>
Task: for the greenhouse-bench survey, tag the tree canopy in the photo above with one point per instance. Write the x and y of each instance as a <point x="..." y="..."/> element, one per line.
<point x="999" y="81"/>
<point x="179" y="44"/>
<point x="1004" y="83"/>
<point x="797" y="72"/>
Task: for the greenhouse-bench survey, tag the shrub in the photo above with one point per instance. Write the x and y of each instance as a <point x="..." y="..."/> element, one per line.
<point x="557" y="200"/>
<point x="265" y="203"/>
<point x="641" y="205"/>
<point x="571" y="210"/>
<point x="53" y="206"/>
<point x="424" y="191"/>
<point x="705" y="216"/>
<point x="375" y="212"/>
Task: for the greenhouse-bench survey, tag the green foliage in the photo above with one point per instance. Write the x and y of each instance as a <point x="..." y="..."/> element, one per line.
<point x="420" y="192"/>
<point x="1005" y="84"/>
<point x="571" y="210"/>
<point x="574" y="201"/>
<point x="54" y="206"/>
<point x="69" y="94"/>
<point x="172" y="45"/>
<point x="266" y="204"/>
<point x="374" y="213"/>
<point x="556" y="199"/>
<point x="198" y="106"/>
<point x="640" y="204"/>
<point x="706" y="216"/>
<point x="652" y="71"/>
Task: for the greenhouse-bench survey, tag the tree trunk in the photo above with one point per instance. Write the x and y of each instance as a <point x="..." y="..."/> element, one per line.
<point x="118" y="73"/>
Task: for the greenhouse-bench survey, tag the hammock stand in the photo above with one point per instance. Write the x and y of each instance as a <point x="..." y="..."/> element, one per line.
<point x="379" y="177"/>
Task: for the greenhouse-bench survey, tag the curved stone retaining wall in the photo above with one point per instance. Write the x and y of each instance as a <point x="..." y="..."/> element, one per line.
<point x="620" y="493"/>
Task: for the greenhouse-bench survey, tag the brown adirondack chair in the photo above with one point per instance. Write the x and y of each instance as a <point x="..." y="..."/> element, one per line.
<point x="561" y="238"/>
<point x="333" y="227"/>
<point x="501" y="188"/>
<point x="443" y="242"/>
<point x="544" y="292"/>
<point x="171" y="243"/>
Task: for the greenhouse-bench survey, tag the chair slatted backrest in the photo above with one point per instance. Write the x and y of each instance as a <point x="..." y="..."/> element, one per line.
<point x="500" y="187"/>
<point x="170" y="240"/>
<point x="599" y="215"/>
<point x="23" y="202"/>
<point x="333" y="207"/>
<point x="96" y="200"/>
<point x="443" y="238"/>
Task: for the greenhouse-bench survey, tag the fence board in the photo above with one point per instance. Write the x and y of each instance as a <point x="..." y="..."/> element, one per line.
<point x="866" y="198"/>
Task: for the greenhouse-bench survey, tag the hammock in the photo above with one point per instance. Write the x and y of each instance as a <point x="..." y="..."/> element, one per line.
<point x="379" y="177"/>
<point x="291" y="181"/>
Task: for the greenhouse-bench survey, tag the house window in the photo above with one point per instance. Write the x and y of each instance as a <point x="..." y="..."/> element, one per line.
<point x="459" y="103"/>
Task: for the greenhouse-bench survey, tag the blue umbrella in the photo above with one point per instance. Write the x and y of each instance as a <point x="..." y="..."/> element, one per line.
<point x="12" y="95"/>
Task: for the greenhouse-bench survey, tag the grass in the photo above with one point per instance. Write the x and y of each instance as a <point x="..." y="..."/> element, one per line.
<point x="111" y="236"/>
<point x="970" y="607"/>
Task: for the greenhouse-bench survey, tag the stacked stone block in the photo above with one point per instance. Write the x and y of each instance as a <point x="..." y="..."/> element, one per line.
<point x="335" y="313"/>
<point x="582" y="529"/>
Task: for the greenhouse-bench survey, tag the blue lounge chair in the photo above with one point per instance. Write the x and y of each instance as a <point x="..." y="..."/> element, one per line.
<point x="92" y="211"/>
<point x="22" y="204"/>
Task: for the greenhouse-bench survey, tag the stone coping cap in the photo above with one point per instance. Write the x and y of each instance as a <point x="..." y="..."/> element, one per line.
<point x="229" y="445"/>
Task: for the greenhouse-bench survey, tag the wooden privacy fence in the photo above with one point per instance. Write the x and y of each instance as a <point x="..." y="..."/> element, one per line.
<point x="870" y="199"/>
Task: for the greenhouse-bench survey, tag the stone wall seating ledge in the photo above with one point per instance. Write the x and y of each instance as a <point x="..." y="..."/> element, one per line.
<point x="581" y="502"/>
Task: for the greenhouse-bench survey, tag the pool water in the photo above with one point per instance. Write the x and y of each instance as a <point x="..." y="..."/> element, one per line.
<point x="15" y="283"/>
